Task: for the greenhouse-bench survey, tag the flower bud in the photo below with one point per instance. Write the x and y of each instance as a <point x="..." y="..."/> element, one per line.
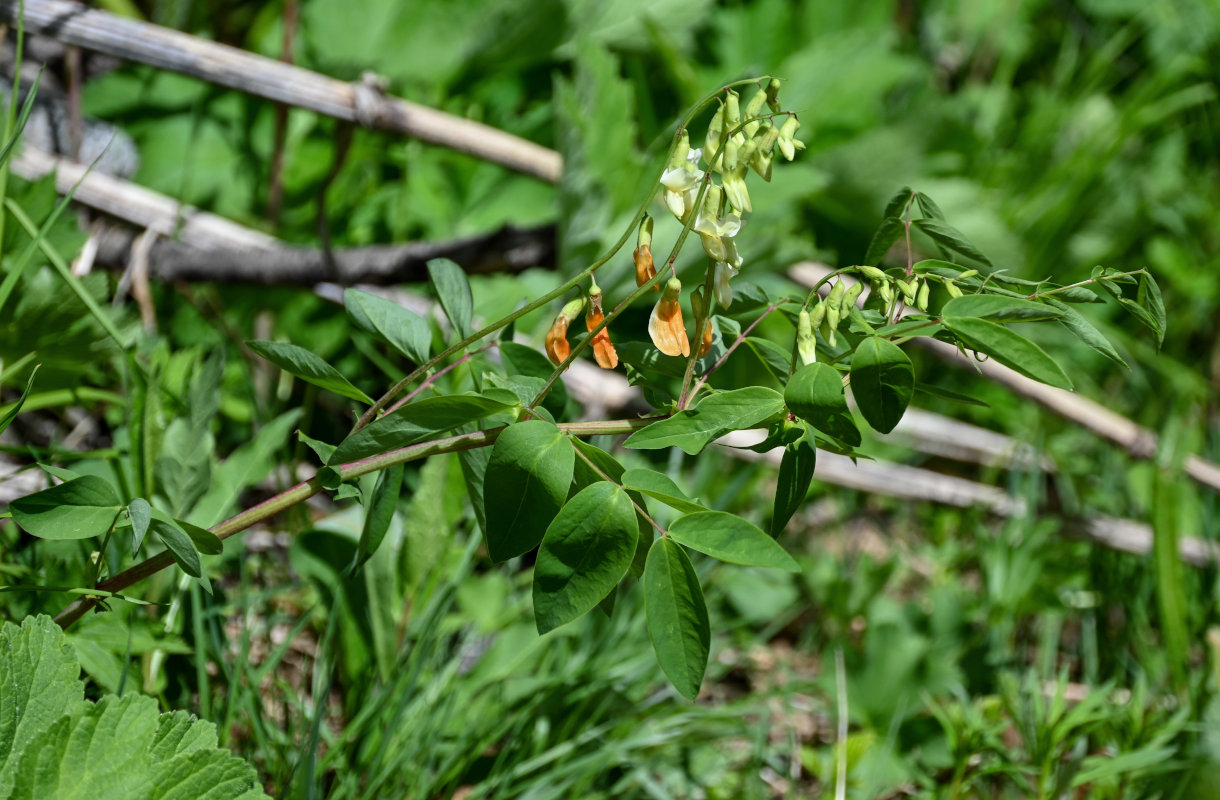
<point x="925" y="291"/>
<point x="557" y="347"/>
<point x="806" y="343"/>
<point x="709" y="336"/>
<point x="715" y="132"/>
<point x="970" y="273"/>
<point x="818" y="314"/>
<point x="952" y="289"/>
<point x="773" y="95"/>
<point x="603" y="348"/>
<point x="732" y="110"/>
<point x="835" y="298"/>
<point x="908" y="289"/>
<point x="788" y="143"/>
<point x="753" y="109"/>
<point x="832" y="322"/>
<point x="850" y="297"/>
<point x="736" y="190"/>
<point x="872" y="273"/>
<point x="884" y="290"/>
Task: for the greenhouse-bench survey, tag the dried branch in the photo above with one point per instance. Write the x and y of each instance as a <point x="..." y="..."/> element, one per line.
<point x="361" y="102"/>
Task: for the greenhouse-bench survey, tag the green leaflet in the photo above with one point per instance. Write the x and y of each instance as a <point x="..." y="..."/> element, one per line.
<point x="12" y="413"/>
<point x="999" y="308"/>
<point x="1009" y="348"/>
<point x="378" y="514"/>
<point x="795" y="475"/>
<point x="140" y="513"/>
<point x="882" y="380"/>
<point x="1076" y="322"/>
<point x="691" y="430"/>
<point x="414" y="423"/>
<point x="730" y="538"/>
<point x="660" y="487"/>
<point x="677" y="616"/>
<point x="887" y="233"/>
<point x="78" y="509"/>
<point x="308" y="367"/>
<point x="584" y="554"/>
<point x="815" y="394"/>
<point x="404" y="330"/>
<point x="524" y="487"/>
<point x="453" y="290"/>
<point x="947" y="236"/>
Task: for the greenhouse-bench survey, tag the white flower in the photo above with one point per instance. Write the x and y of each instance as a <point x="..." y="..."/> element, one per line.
<point x="681" y="186"/>
<point x="724" y="292"/>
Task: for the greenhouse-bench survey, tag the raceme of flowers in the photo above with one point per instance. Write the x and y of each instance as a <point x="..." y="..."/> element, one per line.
<point x="730" y="150"/>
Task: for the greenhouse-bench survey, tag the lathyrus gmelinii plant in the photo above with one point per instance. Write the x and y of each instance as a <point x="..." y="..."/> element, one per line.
<point x="533" y="482"/>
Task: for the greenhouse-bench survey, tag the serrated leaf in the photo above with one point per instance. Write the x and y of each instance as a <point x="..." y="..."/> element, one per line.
<point x="140" y="513"/>
<point x="378" y="515"/>
<point x="815" y="394"/>
<point x="584" y="554"/>
<point x="414" y="423"/>
<point x="308" y="367"/>
<point x="882" y="380"/>
<point x="453" y="291"/>
<point x="999" y="308"/>
<point x="12" y="413"/>
<point x="525" y="485"/>
<point x="42" y="682"/>
<point x="661" y="487"/>
<point x="1009" y="348"/>
<point x="730" y="538"/>
<point x="677" y="616"/>
<point x="950" y="237"/>
<point x="888" y="232"/>
<point x="402" y="329"/>
<point x="79" y="509"/>
<point x="115" y="749"/>
<point x="795" y="474"/>
<point x="1076" y="322"/>
<point x="692" y="429"/>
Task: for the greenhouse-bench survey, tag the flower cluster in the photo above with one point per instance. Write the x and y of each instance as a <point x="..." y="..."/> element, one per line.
<point x="712" y="201"/>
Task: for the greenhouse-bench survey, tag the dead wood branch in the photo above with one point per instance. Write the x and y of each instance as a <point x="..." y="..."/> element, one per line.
<point x="361" y="102"/>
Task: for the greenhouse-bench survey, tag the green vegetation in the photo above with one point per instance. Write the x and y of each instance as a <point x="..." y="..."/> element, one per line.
<point x="509" y="587"/>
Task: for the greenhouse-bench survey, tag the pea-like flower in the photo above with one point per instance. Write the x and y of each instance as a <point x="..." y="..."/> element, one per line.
<point x="665" y="325"/>
<point x="557" y="347"/>
<point x="681" y="179"/>
<point x="717" y="232"/>
<point x="645" y="269"/>
<point x="603" y="348"/>
<point x="725" y="272"/>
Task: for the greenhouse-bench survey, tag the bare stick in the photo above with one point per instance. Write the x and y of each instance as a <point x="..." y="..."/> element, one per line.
<point x="362" y="103"/>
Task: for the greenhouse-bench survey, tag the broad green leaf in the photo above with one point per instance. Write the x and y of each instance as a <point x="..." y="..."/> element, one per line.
<point x="1009" y="348"/>
<point x="140" y="513"/>
<point x="882" y="380"/>
<point x="585" y="553"/>
<point x="378" y="515"/>
<point x="56" y="745"/>
<point x="453" y="290"/>
<point x="815" y="394"/>
<point x="41" y="680"/>
<point x="888" y="232"/>
<point x="12" y="413"/>
<point x="950" y="237"/>
<point x="661" y="487"/>
<point x="795" y="475"/>
<point x="308" y="367"/>
<point x="526" y="483"/>
<point x="677" y="616"/>
<point x="1076" y="322"/>
<point x="730" y="538"/>
<point x="323" y="450"/>
<point x="999" y="308"/>
<point x="404" y="330"/>
<point x="414" y="423"/>
<point x="691" y="430"/>
<point x="179" y="544"/>
<point x="83" y="507"/>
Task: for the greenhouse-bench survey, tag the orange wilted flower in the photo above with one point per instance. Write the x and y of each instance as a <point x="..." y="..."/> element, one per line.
<point x="645" y="270"/>
<point x="557" y="347"/>
<point x="665" y="326"/>
<point x="603" y="349"/>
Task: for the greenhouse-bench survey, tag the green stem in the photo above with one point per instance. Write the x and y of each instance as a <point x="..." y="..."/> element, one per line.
<point x="640" y="509"/>
<point x="307" y="489"/>
<point x="1079" y="284"/>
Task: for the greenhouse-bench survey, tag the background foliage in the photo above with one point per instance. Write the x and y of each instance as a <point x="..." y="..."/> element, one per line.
<point x="1056" y="135"/>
